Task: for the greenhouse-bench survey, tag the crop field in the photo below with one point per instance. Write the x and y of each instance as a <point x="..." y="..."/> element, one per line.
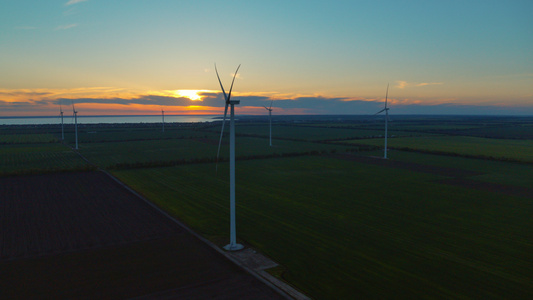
<point x="446" y="216"/>
<point x="360" y="240"/>
<point x="513" y="174"/>
<point x="305" y="133"/>
<point x="38" y="158"/>
<point x="165" y="152"/>
<point x="98" y="134"/>
<point x="519" y="150"/>
<point x="27" y="138"/>
<point x="313" y="132"/>
<point x="82" y="235"/>
<point x="502" y="132"/>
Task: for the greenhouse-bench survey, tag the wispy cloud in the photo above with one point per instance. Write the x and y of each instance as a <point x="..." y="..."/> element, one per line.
<point x="71" y="2"/>
<point x="404" y="84"/>
<point x="428" y="83"/>
<point x="65" y="27"/>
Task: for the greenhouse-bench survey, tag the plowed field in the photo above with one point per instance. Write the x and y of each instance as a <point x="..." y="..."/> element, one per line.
<point x="82" y="235"/>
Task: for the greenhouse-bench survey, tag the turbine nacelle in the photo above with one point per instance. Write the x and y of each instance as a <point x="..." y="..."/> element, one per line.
<point x="269" y="108"/>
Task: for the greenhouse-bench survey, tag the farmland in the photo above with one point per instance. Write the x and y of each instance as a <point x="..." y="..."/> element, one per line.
<point x="516" y="150"/>
<point x="447" y="216"/>
<point x="82" y="235"/>
<point x="365" y="236"/>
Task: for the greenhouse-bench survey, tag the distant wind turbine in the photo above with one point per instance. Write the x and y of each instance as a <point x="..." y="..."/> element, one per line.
<point x="75" y="124"/>
<point x="163" y="116"/>
<point x="232" y="246"/>
<point x="270" y="118"/>
<point x="386" y="110"/>
<point x="61" y="113"/>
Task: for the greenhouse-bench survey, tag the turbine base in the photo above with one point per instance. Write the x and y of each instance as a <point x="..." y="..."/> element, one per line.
<point x="233" y="247"/>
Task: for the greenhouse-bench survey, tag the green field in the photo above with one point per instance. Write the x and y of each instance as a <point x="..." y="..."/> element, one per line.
<point x="27" y="138"/>
<point x="38" y="158"/>
<point x="514" y="174"/>
<point x="167" y="151"/>
<point x="358" y="239"/>
<point x="97" y="135"/>
<point x="340" y="226"/>
<point x="519" y="150"/>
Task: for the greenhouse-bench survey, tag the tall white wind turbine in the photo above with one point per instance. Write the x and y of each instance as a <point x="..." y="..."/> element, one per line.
<point x="386" y="110"/>
<point x="163" y="116"/>
<point x="232" y="246"/>
<point x="62" y="130"/>
<point x="270" y="119"/>
<point x="75" y="124"/>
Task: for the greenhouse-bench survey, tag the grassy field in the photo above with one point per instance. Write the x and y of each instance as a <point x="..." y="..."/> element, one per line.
<point x="340" y="228"/>
<point x="27" y="138"/>
<point x="514" y="174"/>
<point x="38" y="158"/>
<point x="474" y="146"/>
<point x="167" y="151"/>
<point x="98" y="135"/>
<point x="362" y="240"/>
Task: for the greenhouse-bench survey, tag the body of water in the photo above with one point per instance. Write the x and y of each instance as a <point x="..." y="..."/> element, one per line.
<point x="104" y="119"/>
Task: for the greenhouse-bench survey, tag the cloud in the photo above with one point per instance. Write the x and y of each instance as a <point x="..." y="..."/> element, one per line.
<point x="71" y="2"/>
<point x="403" y="84"/>
<point x="428" y="83"/>
<point x="64" y="27"/>
<point x="112" y="100"/>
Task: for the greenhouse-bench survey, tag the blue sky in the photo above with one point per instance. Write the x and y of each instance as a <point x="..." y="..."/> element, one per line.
<point x="307" y="56"/>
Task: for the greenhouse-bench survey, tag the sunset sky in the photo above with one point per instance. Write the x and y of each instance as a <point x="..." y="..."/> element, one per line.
<point x="309" y="57"/>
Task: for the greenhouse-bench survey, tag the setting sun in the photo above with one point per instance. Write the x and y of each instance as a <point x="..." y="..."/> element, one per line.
<point x="191" y="94"/>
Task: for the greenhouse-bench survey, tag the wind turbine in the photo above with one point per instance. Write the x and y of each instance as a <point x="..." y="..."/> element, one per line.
<point x="232" y="246"/>
<point x="386" y="110"/>
<point x="163" y="115"/>
<point x="270" y="118"/>
<point x="61" y="113"/>
<point x="75" y="124"/>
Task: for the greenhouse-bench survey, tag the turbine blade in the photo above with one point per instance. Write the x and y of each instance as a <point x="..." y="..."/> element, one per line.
<point x="265" y="107"/>
<point x="224" y="92"/>
<point x="380" y="111"/>
<point x="231" y="87"/>
<point x="221" y="134"/>
<point x="271" y="104"/>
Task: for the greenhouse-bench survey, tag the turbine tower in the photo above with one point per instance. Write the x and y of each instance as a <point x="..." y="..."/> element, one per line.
<point x="75" y="124"/>
<point x="386" y="110"/>
<point x="163" y="116"/>
<point x="232" y="246"/>
<point x="270" y="118"/>
<point x="61" y="113"/>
